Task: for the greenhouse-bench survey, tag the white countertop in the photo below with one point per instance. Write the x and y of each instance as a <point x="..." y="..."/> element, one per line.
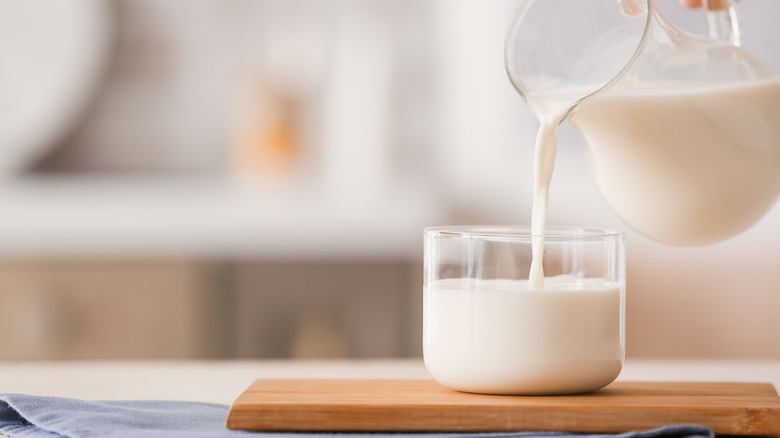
<point x="223" y="381"/>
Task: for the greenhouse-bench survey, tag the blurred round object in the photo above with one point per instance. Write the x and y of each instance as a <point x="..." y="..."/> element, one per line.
<point x="54" y="54"/>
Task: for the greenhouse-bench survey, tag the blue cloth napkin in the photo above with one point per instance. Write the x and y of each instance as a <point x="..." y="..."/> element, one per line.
<point x="52" y="417"/>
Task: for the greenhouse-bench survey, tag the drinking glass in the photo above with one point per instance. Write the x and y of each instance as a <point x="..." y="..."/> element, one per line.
<point x="486" y="331"/>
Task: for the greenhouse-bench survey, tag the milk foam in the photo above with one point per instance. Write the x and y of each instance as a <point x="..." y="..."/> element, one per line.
<point x="506" y="337"/>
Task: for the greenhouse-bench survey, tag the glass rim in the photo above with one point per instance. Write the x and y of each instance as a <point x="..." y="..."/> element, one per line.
<point x="524" y="232"/>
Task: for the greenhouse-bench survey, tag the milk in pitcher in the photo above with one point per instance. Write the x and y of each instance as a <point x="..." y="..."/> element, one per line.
<point x="685" y="166"/>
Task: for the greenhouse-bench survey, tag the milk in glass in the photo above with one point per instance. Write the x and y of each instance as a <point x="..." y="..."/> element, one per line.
<point x="504" y="337"/>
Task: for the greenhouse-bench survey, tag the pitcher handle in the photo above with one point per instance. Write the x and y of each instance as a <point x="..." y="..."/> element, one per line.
<point x="722" y="21"/>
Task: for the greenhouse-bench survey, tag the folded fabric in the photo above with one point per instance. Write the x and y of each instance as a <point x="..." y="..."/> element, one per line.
<point x="37" y="416"/>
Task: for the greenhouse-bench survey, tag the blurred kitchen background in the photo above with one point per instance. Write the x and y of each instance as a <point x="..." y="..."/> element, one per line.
<point x="250" y="179"/>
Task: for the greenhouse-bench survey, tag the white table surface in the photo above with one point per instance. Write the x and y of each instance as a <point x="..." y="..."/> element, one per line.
<point x="223" y="381"/>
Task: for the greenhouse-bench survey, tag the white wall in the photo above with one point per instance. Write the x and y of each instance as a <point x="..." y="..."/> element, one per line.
<point x="446" y="123"/>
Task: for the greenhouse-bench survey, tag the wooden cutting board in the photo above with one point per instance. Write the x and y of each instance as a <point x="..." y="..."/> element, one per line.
<point x="424" y="405"/>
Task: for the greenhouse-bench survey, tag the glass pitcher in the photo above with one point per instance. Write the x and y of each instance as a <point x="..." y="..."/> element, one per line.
<point x="683" y="132"/>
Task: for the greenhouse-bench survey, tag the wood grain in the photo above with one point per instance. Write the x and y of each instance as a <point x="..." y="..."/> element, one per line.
<point x="424" y="405"/>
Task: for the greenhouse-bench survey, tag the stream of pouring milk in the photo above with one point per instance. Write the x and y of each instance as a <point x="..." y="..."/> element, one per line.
<point x="551" y="113"/>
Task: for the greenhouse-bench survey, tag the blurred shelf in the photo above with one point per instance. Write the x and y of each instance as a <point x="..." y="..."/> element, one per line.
<point x="205" y="217"/>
